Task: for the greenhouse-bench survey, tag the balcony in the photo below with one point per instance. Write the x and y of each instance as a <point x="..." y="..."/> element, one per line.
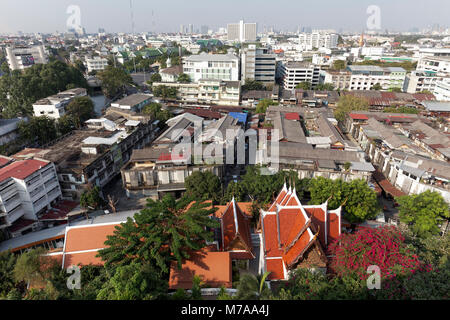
<point x="12" y="202"/>
<point x="15" y="214"/>
<point x="8" y="192"/>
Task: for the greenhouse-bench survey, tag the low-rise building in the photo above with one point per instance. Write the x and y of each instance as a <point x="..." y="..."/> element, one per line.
<point x="293" y="73"/>
<point x="365" y="77"/>
<point x="96" y="64"/>
<point x="341" y="79"/>
<point x="20" y="58"/>
<point x="134" y="102"/>
<point x="223" y="67"/>
<point x="55" y="105"/>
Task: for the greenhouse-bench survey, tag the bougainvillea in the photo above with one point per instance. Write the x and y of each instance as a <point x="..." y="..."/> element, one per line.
<point x="384" y="247"/>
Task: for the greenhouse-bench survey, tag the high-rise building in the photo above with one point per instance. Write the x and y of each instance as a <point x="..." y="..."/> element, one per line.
<point x="242" y="32"/>
<point x="204" y="29"/>
<point x="319" y="40"/>
<point x="181" y="28"/>
<point x="191" y="29"/>
<point x="294" y="73"/>
<point x="258" y="64"/>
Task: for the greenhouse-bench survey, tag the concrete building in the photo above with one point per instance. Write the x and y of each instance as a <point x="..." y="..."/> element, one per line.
<point x="442" y="90"/>
<point x="9" y="130"/>
<point x="134" y="102"/>
<point x="258" y="64"/>
<point x="96" y="64"/>
<point x="341" y="79"/>
<point x="20" y="58"/>
<point x="55" y="106"/>
<point x="294" y="73"/>
<point x="318" y="39"/>
<point x="205" y="66"/>
<point x="27" y="189"/>
<point x="365" y="77"/>
<point x="419" y="81"/>
<point x="242" y="32"/>
<point x="438" y="64"/>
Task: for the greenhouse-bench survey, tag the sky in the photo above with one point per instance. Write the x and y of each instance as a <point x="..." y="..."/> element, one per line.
<point x="47" y="16"/>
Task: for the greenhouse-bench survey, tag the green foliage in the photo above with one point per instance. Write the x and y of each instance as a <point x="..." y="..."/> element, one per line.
<point x="156" y="112"/>
<point x="339" y="65"/>
<point x="183" y="78"/>
<point x="203" y="186"/>
<point x="377" y="87"/>
<point x="264" y="104"/>
<point x="253" y="287"/>
<point x="423" y="212"/>
<point x="161" y="233"/>
<point x="156" y="77"/>
<point x="19" y="90"/>
<point x="324" y="87"/>
<point x="114" y="81"/>
<point x="7" y="263"/>
<point x="133" y="282"/>
<point x="40" y="129"/>
<point x="349" y="103"/>
<point x="252" y="85"/>
<point x="304" y="85"/>
<point x="80" y="109"/>
<point x="236" y="190"/>
<point x="402" y="109"/>
<point x="165" y="92"/>
<point x="407" y="65"/>
<point x="360" y="200"/>
<point x="31" y="267"/>
<point x="91" y="199"/>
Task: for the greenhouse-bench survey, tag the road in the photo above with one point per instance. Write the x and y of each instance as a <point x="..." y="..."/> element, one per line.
<point x="140" y="77"/>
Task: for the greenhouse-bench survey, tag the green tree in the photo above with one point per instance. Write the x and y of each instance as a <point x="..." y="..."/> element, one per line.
<point x="203" y="186"/>
<point x="304" y="85"/>
<point x="349" y="103"/>
<point x="40" y="129"/>
<point x="80" y="109"/>
<point x="32" y="266"/>
<point x="133" y="282"/>
<point x="252" y="85"/>
<point x="324" y="87"/>
<point x="91" y="199"/>
<point x="264" y="104"/>
<point x="423" y="212"/>
<point x="360" y="201"/>
<point x="65" y="124"/>
<point x="155" y="111"/>
<point x="165" y="92"/>
<point x="377" y="86"/>
<point x="339" y="65"/>
<point x="236" y="190"/>
<point x="183" y="78"/>
<point x="114" y="81"/>
<point x="156" y="77"/>
<point x="7" y="263"/>
<point x="165" y="231"/>
<point x="253" y="287"/>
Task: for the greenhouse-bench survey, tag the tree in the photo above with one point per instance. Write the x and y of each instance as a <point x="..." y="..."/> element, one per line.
<point x="156" y="77"/>
<point x="253" y="287"/>
<point x="133" y="282"/>
<point x="165" y="231"/>
<point x="165" y="92"/>
<point x="377" y="86"/>
<point x="324" y="87"/>
<point x="236" y="190"/>
<point x="7" y="263"/>
<point x="264" y="104"/>
<point x="183" y="78"/>
<point x="358" y="199"/>
<point x="156" y="112"/>
<point x="252" y="85"/>
<point x="91" y="199"/>
<point x="42" y="129"/>
<point x="80" y="109"/>
<point x="65" y="124"/>
<point x="339" y="65"/>
<point x="384" y="247"/>
<point x="114" y="81"/>
<point x="80" y="66"/>
<point x="304" y="85"/>
<point x="203" y="186"/>
<point x="33" y="267"/>
<point x="423" y="212"/>
<point x="349" y="103"/>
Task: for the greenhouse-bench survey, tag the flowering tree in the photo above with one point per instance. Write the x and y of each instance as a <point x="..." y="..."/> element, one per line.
<point x="383" y="247"/>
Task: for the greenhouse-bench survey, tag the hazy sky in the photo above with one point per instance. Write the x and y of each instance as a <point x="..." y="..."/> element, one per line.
<point x="167" y="15"/>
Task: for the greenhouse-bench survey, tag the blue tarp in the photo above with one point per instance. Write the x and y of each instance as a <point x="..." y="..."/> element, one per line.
<point x="240" y="116"/>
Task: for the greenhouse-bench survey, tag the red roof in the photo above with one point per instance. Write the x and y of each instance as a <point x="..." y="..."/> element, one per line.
<point x="4" y="160"/>
<point x="171" y="157"/>
<point x="356" y="116"/>
<point x="20" y="224"/>
<point x="292" y="116"/>
<point x="21" y="169"/>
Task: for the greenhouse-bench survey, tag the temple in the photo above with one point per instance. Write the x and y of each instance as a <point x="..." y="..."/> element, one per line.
<point x="296" y="236"/>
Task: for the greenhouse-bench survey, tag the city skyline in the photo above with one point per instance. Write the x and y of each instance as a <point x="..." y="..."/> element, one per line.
<point x="159" y="16"/>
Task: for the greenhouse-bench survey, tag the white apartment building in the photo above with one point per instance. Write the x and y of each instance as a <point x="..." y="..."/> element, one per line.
<point x="258" y="64"/>
<point x="9" y="130"/>
<point x="420" y="80"/>
<point x="372" y="51"/>
<point x="435" y="64"/>
<point x="432" y="52"/>
<point x="365" y="77"/>
<point x="318" y="39"/>
<point x="96" y="64"/>
<point x="20" y="58"/>
<point x="55" y="106"/>
<point x="27" y="189"/>
<point x="341" y="79"/>
<point x="442" y="90"/>
<point x="208" y="91"/>
<point x="241" y="31"/>
<point x="294" y="73"/>
<point x="205" y="66"/>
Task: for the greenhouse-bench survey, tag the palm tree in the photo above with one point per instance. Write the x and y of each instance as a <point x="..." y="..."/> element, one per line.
<point x="253" y="287"/>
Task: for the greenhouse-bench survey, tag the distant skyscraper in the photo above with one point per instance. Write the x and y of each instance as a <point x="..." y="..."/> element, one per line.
<point x="191" y="29"/>
<point x="204" y="29"/>
<point x="242" y="31"/>
<point x="181" y="28"/>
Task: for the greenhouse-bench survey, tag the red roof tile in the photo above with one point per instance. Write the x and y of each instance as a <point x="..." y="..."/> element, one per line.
<point x="275" y="266"/>
<point x="21" y="169"/>
<point x="292" y="116"/>
<point x="356" y="116"/>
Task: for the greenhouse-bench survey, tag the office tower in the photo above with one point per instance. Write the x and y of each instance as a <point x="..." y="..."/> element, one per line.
<point x="241" y="31"/>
